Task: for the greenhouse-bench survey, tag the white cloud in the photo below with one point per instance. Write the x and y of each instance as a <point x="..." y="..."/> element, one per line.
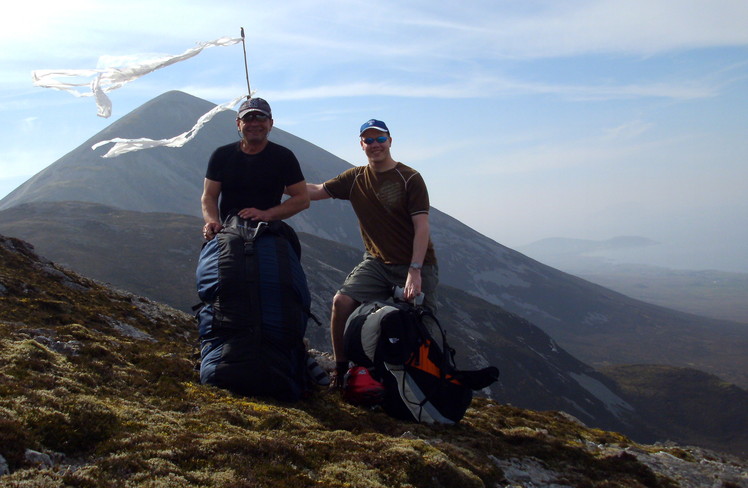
<point x="29" y="124"/>
<point x="109" y="61"/>
<point x="478" y="30"/>
<point x="627" y="131"/>
<point x="636" y="27"/>
<point x="497" y="86"/>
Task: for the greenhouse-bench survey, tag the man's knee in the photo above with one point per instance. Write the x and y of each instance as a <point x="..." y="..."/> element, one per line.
<point x="343" y="304"/>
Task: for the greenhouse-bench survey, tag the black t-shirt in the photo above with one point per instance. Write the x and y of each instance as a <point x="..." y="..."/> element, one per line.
<point x="256" y="180"/>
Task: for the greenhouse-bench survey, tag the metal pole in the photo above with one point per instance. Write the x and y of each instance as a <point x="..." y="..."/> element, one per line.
<point x="246" y="68"/>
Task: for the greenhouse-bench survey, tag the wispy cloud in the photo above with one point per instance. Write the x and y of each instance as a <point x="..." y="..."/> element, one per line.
<point x="627" y="131"/>
<point x="497" y="86"/>
<point x="563" y="29"/>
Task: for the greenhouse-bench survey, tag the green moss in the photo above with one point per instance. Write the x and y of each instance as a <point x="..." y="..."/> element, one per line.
<point x="129" y="412"/>
<point x="350" y="473"/>
<point x="28" y="357"/>
<point x="14" y="439"/>
<point x="79" y="425"/>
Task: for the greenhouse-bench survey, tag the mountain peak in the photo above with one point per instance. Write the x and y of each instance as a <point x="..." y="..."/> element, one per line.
<point x="167" y="115"/>
<point x="168" y="179"/>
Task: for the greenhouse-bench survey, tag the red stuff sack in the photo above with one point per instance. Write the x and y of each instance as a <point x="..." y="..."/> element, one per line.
<point x="360" y="388"/>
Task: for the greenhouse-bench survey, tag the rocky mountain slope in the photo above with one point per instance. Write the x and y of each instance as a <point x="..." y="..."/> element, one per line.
<point x="593" y="323"/>
<point x="98" y="389"/>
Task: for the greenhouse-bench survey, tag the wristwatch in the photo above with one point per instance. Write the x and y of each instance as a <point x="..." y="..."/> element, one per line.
<point x="416" y="265"/>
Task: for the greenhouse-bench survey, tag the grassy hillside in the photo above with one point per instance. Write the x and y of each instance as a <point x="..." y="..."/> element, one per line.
<point x="98" y="389"/>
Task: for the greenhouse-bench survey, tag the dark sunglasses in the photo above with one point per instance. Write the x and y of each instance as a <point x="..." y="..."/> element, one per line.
<point x="380" y="139"/>
<point x="250" y="117"/>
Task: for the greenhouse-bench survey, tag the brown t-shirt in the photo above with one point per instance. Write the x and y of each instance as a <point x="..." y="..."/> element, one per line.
<point x="385" y="203"/>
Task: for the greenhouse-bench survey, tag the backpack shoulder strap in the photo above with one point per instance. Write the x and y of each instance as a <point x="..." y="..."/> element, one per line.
<point x="252" y="280"/>
<point x="447" y="365"/>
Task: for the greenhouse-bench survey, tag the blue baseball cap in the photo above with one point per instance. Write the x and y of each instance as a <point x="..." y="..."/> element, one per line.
<point x="374" y="124"/>
<point x="255" y="105"/>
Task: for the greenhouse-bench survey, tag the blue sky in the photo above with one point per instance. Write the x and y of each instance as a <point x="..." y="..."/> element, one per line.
<point x="528" y="119"/>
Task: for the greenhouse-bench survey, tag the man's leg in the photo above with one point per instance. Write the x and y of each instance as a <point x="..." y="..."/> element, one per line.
<point x="342" y="308"/>
<point x="365" y="283"/>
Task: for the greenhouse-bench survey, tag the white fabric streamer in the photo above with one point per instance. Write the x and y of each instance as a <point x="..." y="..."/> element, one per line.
<point x="106" y="80"/>
<point x="123" y="146"/>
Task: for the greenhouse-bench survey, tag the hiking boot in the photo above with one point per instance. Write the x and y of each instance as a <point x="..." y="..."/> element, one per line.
<point x="337" y="380"/>
<point x="318" y="375"/>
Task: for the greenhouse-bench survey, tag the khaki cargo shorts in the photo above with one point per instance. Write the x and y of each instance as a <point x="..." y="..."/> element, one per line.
<point x="374" y="280"/>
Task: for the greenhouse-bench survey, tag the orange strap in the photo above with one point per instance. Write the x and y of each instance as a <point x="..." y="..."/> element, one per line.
<point x="427" y="365"/>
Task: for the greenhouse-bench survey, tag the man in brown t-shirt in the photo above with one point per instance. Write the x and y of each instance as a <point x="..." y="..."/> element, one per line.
<point x="392" y="205"/>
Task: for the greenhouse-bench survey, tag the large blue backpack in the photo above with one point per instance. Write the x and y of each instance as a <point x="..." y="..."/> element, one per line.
<point x="254" y="311"/>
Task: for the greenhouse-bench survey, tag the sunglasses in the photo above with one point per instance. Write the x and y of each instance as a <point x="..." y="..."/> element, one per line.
<point x="250" y="117"/>
<point x="380" y="139"/>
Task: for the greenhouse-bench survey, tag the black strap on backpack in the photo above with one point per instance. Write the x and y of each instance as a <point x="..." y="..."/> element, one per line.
<point x="252" y="277"/>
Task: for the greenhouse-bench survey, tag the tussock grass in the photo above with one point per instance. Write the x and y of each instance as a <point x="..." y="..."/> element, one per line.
<point x="114" y="409"/>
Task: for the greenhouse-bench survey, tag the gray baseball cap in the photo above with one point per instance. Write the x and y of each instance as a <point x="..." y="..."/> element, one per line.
<point x="255" y="105"/>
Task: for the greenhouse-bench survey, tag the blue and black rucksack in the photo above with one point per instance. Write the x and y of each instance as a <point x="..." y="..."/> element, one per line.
<point x="254" y="310"/>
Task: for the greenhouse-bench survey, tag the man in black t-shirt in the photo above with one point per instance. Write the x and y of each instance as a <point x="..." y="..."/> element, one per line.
<point x="252" y="175"/>
<point x="258" y="349"/>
